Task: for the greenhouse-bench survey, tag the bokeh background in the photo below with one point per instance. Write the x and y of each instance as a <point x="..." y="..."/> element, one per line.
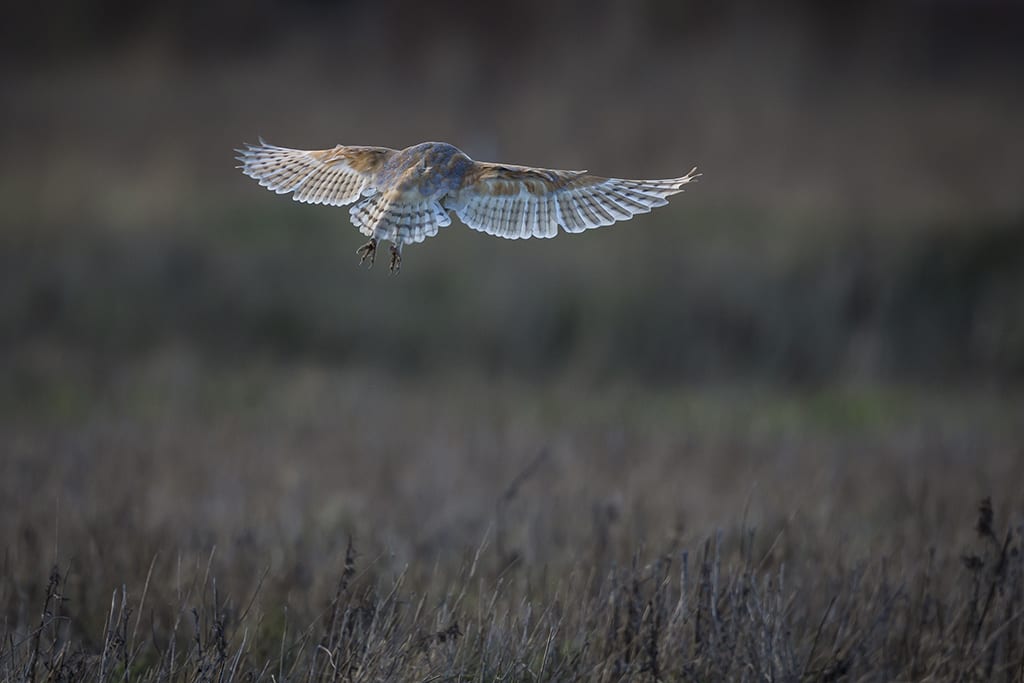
<point x="860" y="214"/>
<point x="824" y="336"/>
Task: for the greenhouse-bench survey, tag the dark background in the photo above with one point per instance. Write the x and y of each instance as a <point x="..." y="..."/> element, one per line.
<point x="860" y="214"/>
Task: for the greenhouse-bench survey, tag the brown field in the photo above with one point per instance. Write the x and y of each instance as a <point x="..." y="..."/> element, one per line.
<point x="270" y="522"/>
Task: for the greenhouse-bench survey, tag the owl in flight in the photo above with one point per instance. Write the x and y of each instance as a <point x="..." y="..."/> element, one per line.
<point x="404" y="196"/>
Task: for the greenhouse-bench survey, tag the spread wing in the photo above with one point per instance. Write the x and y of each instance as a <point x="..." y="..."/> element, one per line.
<point x="517" y="202"/>
<point x="334" y="177"/>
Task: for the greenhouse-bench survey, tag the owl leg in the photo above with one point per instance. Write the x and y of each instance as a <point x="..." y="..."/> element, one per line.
<point x="367" y="251"/>
<point x="396" y="258"/>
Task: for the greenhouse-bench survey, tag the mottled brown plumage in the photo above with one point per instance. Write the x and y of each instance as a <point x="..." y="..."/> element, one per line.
<point x="404" y="196"/>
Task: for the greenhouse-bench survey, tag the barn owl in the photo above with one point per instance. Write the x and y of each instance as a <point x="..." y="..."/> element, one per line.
<point x="404" y="196"/>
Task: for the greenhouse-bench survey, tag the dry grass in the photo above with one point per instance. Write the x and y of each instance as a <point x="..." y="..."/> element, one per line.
<point x="293" y="523"/>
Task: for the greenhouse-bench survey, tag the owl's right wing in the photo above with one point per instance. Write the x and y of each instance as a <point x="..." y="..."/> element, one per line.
<point x="334" y="177"/>
<point x="517" y="202"/>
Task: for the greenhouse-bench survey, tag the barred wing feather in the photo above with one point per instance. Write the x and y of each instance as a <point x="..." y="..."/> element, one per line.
<point x="334" y="177"/>
<point x="519" y="202"/>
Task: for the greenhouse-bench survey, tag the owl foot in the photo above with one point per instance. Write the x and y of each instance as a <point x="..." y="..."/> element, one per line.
<point x="396" y="259"/>
<point x="368" y="251"/>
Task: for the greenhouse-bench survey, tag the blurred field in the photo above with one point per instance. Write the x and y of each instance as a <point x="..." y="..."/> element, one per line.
<point x="745" y="437"/>
<point x="552" y="531"/>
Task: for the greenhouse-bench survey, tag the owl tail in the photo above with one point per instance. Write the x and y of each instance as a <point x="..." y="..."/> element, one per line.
<point x="399" y="222"/>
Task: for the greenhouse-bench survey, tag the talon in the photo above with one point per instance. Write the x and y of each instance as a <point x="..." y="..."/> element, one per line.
<point x="396" y="259"/>
<point x="367" y="251"/>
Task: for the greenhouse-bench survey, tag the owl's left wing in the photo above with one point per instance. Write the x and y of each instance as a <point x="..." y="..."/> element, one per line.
<point x="518" y="202"/>
<point x="335" y="176"/>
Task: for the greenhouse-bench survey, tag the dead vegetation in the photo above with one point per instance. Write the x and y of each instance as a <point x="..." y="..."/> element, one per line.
<point x="717" y="613"/>
<point x="579" y="546"/>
